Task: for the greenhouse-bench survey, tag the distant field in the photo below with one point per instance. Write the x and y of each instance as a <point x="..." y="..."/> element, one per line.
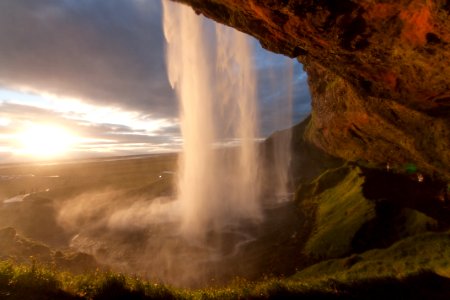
<point x="124" y="214"/>
<point x="121" y="211"/>
<point x="66" y="179"/>
<point x="44" y="188"/>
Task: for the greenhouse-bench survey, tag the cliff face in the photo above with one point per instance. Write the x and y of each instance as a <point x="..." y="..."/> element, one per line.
<point x="379" y="72"/>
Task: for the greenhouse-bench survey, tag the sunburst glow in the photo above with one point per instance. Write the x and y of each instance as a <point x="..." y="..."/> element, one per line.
<point x="43" y="140"/>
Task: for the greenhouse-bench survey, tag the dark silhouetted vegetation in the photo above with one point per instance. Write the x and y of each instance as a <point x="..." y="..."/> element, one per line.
<point x="37" y="282"/>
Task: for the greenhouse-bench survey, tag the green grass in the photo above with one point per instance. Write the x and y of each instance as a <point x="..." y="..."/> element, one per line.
<point x="342" y="210"/>
<point x="29" y="282"/>
<point x="428" y="251"/>
<point x="38" y="282"/>
<point x="417" y="267"/>
<point x="417" y="222"/>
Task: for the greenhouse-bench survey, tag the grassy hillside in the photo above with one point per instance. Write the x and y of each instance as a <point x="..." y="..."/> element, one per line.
<point x="428" y="251"/>
<point x="351" y="233"/>
<point x="35" y="282"/>
<point x="342" y="210"/>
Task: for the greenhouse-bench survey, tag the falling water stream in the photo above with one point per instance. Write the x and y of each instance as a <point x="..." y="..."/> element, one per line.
<point x="282" y="140"/>
<point x="216" y="87"/>
<point x="222" y="222"/>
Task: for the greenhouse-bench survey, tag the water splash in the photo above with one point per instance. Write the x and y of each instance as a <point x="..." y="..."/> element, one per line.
<point x="216" y="87"/>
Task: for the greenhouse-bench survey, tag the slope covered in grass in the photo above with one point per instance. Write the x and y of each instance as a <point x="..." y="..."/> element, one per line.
<point x="428" y="251"/>
<point x="34" y="282"/>
<point x="342" y="210"/>
<point x="349" y="211"/>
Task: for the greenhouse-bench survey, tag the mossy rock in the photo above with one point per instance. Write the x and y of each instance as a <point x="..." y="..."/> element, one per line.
<point x="341" y="211"/>
<point x="427" y="251"/>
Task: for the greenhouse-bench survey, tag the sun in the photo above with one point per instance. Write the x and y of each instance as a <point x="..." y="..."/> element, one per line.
<point x="44" y="140"/>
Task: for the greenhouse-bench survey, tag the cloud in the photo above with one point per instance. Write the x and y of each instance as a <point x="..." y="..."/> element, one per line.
<point x="92" y="137"/>
<point x="110" y="52"/>
<point x="19" y="115"/>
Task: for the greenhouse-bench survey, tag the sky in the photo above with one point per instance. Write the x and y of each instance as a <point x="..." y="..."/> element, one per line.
<point x="88" y="77"/>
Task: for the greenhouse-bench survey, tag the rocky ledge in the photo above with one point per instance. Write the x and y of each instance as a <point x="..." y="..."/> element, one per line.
<point x="379" y="73"/>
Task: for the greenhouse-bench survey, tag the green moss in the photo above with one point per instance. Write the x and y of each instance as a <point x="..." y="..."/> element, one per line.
<point x="410" y="168"/>
<point x="429" y="251"/>
<point x="342" y="210"/>
<point x="417" y="222"/>
<point x="40" y="283"/>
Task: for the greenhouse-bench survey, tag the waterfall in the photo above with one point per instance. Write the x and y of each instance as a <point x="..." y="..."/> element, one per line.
<point x="215" y="83"/>
<point x="282" y="118"/>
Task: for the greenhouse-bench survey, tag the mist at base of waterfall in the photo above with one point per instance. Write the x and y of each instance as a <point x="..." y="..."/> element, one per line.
<point x="145" y="239"/>
<point x="226" y="219"/>
<point x="130" y="222"/>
